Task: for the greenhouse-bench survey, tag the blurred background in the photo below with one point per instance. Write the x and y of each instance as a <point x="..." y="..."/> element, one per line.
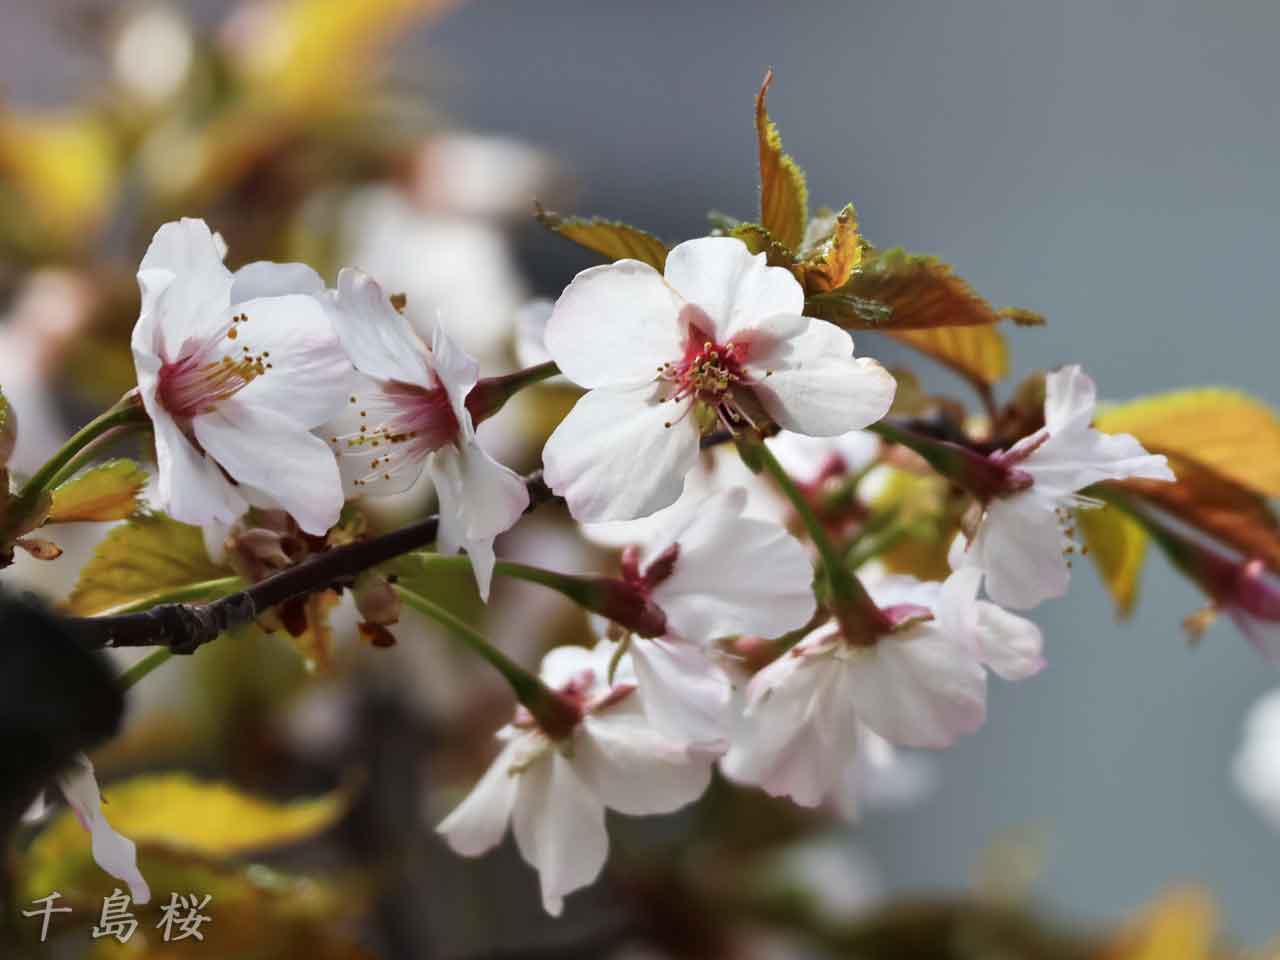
<point x="1109" y="165"/>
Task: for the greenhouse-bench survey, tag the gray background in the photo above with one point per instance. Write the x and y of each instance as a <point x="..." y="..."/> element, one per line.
<point x="1110" y="164"/>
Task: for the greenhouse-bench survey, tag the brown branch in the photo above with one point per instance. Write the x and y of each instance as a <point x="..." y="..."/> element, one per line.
<point x="185" y="627"/>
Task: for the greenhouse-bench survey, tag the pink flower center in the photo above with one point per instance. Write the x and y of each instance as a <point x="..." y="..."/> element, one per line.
<point x="659" y="570"/>
<point x="191" y="385"/>
<point x="405" y="424"/>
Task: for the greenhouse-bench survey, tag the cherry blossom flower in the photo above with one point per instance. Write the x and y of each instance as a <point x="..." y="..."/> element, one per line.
<point x="719" y="335"/>
<point x="406" y="411"/>
<point x="713" y="573"/>
<point x="114" y="853"/>
<point x="235" y="370"/>
<point x="554" y="792"/>
<point x="813" y="719"/>
<point x="1021" y="540"/>
<point x="1257" y="762"/>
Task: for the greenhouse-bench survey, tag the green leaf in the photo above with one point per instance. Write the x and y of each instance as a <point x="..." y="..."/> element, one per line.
<point x="616" y="241"/>
<point x="784" y="196"/>
<point x="108" y="491"/>
<point x="150" y="555"/>
<point x="1117" y="544"/>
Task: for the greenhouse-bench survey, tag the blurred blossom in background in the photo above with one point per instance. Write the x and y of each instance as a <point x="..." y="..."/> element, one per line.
<point x="1109" y="165"/>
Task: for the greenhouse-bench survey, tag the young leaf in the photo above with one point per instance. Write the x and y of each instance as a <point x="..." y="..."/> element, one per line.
<point x="979" y="354"/>
<point x="149" y="555"/>
<point x="1229" y="431"/>
<point x="108" y="491"/>
<point x="614" y="240"/>
<point x="920" y="291"/>
<point x="760" y="240"/>
<point x="1117" y="545"/>
<point x="833" y="263"/>
<point x="784" y="197"/>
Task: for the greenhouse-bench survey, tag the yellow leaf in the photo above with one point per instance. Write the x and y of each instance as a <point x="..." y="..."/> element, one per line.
<point x="614" y="240"/>
<point x="108" y="491"/>
<point x="784" y="197"/>
<point x="834" y="262"/>
<point x="1229" y="431"/>
<point x="979" y="354"/>
<point x="8" y="435"/>
<point x="1181" y="925"/>
<point x="924" y="503"/>
<point x="304" y="52"/>
<point x="184" y="815"/>
<point x="149" y="555"/>
<point x="64" y="166"/>
<point x="1117" y="545"/>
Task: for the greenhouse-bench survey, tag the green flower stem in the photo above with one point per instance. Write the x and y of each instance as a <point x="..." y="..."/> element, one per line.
<point x="971" y="471"/>
<point x="555" y="715"/>
<point x="20" y="516"/>
<point x="607" y="596"/>
<point x="877" y="539"/>
<point x="860" y="618"/>
<point x="144" y="666"/>
<point x="89" y="451"/>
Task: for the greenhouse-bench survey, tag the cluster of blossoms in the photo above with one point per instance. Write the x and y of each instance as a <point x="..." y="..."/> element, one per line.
<point x="732" y="644"/>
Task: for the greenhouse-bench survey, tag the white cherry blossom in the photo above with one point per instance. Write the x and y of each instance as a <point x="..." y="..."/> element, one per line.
<point x="406" y="410"/>
<point x="554" y="793"/>
<point x="719" y="331"/>
<point x="1020" y="542"/>
<point x="713" y="573"/>
<point x="113" y="852"/>
<point x="235" y="370"/>
<point x="814" y="719"/>
<point x="1257" y="762"/>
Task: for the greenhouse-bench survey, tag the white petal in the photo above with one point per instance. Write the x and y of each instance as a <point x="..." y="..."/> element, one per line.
<point x="563" y="664"/>
<point x="805" y="457"/>
<point x="268" y="451"/>
<point x="308" y="369"/>
<point x="1011" y="645"/>
<point x="399" y="465"/>
<point x="809" y="381"/>
<point x="615" y="325"/>
<point x="190" y="487"/>
<point x="487" y="497"/>
<point x="114" y="853"/>
<point x="458" y="372"/>
<point x="735" y="574"/>
<point x="777" y="745"/>
<point x="920" y="688"/>
<point x="735" y="288"/>
<point x="1019" y="546"/>
<point x="1070" y="398"/>
<point x="686" y="696"/>
<point x="614" y="457"/>
<point x="531" y="332"/>
<point x="1073" y="459"/>
<point x="478" y="822"/>
<point x="378" y="340"/>
<point x="263" y="278"/>
<point x="559" y="828"/>
<point x="184" y="285"/>
<point x="633" y="768"/>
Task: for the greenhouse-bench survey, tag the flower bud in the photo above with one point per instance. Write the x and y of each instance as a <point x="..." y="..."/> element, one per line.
<point x="376" y="599"/>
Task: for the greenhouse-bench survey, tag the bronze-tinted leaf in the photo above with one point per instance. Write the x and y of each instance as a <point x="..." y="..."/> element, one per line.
<point x="979" y="354"/>
<point x="832" y="264"/>
<point x="614" y="240"/>
<point x="784" y="197"/>
<point x="1215" y="504"/>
